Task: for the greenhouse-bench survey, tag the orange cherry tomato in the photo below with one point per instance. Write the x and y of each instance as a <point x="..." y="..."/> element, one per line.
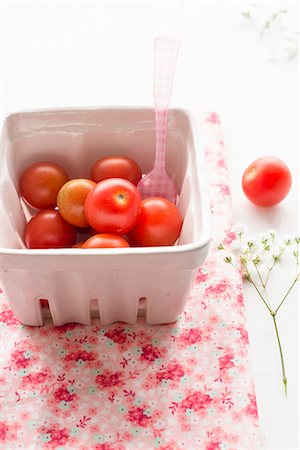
<point x="71" y="200"/>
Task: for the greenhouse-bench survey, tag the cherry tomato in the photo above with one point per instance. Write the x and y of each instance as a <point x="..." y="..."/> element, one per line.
<point x="47" y="229"/>
<point x="105" y="240"/>
<point x="116" y="167"/>
<point x="113" y="206"/>
<point x="44" y="303"/>
<point x="71" y="199"/>
<point x="266" y="181"/>
<point x="40" y="184"/>
<point x="159" y="223"/>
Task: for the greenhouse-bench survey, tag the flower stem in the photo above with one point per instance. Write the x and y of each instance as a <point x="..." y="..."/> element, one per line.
<point x="297" y="258"/>
<point x="263" y="285"/>
<point x="257" y="290"/>
<point x="270" y="270"/>
<point x="289" y="290"/>
<point x="259" y="276"/>
<point x="284" y="379"/>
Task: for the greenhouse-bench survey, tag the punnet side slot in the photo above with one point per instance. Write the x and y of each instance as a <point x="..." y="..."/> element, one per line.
<point x="45" y="308"/>
<point x="142" y="306"/>
<point x="94" y="309"/>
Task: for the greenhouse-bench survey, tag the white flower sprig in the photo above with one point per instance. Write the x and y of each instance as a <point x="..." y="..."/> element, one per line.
<point x="275" y="28"/>
<point x="257" y="258"/>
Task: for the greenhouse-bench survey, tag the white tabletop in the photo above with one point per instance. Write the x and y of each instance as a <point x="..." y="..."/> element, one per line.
<point x="100" y="53"/>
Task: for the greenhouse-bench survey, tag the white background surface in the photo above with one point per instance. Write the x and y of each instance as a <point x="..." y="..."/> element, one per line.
<point x="96" y="53"/>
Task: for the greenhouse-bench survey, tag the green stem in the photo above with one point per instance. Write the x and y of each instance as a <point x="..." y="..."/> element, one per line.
<point x="284" y="379"/>
<point x="267" y="297"/>
<point x="263" y="285"/>
<point x="233" y="265"/>
<point x="257" y="290"/>
<point x="259" y="276"/>
<point x="270" y="270"/>
<point x="297" y="258"/>
<point x="287" y="293"/>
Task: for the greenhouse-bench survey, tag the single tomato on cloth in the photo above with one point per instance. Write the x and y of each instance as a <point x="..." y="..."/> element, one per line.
<point x="47" y="229"/>
<point x="40" y="183"/>
<point x="159" y="223"/>
<point x="116" y="167"/>
<point x="267" y="181"/>
<point x="105" y="240"/>
<point x="71" y="201"/>
<point x="113" y="206"/>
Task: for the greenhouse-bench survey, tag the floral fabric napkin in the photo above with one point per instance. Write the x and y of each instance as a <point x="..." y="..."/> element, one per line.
<point x="187" y="385"/>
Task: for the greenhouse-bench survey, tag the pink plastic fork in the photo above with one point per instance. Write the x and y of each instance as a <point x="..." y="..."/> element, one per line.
<point x="157" y="183"/>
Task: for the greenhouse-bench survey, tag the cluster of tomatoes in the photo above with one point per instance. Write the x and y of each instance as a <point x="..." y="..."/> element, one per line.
<point x="108" y="205"/>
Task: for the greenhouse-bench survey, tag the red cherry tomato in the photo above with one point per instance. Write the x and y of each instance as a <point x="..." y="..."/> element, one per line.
<point x="159" y="223"/>
<point x="40" y="184"/>
<point x="266" y="181"/>
<point x="113" y="206"/>
<point x="71" y="200"/>
<point x="44" y="303"/>
<point x="116" y="167"/>
<point x="105" y="240"/>
<point x="47" y="229"/>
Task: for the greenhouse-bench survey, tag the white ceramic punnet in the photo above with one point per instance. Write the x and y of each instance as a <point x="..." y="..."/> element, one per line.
<point x="122" y="282"/>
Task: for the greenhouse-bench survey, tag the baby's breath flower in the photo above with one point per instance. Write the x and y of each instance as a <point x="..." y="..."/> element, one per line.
<point x="275" y="253"/>
<point x="258" y="258"/>
<point x="272" y="234"/>
<point x="246" y="249"/>
<point x="251" y="241"/>
<point x="228" y="259"/>
<point x="219" y="246"/>
<point x="239" y="229"/>
<point x="255" y="259"/>
<point x="288" y="239"/>
<point x="296" y="237"/>
<point x="266" y="247"/>
<point x="246" y="254"/>
<point x="264" y="237"/>
<point x="236" y="248"/>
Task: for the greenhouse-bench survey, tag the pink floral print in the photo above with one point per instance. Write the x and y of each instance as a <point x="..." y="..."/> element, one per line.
<point x="195" y="400"/>
<point x="186" y="385"/>
<point x="109" y="379"/>
<point x="150" y="353"/>
<point x="174" y="371"/>
<point x="8" y="432"/>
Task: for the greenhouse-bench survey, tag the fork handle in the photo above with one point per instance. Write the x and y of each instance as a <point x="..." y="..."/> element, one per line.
<point x="161" y="121"/>
<point x="165" y="55"/>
